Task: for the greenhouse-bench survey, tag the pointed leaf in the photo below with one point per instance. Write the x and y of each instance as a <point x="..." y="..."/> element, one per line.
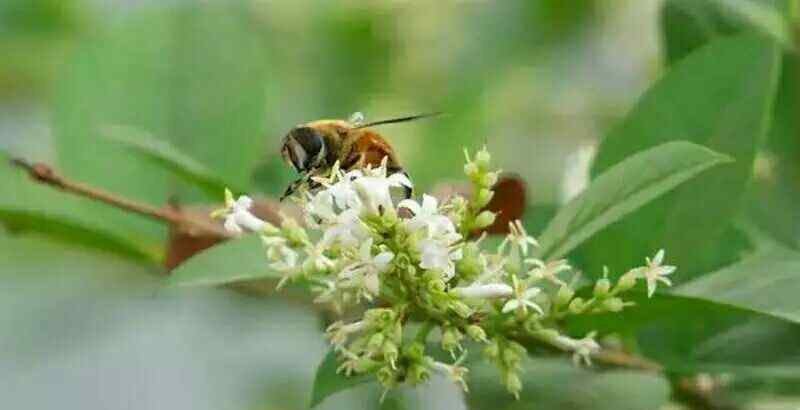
<point x="328" y="382"/>
<point x="622" y="189"/>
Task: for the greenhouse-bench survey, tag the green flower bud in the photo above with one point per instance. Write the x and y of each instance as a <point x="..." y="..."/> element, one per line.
<point x="451" y="339"/>
<point x="483" y="198"/>
<point x="476" y="333"/>
<point x="492" y="351"/>
<point x="375" y="342"/>
<point x="576" y="306"/>
<point x="461" y="308"/>
<point x="548" y="334"/>
<point x="380" y="317"/>
<point x="390" y="352"/>
<point x="564" y="295"/>
<point x="613" y="304"/>
<point x="488" y="179"/>
<point x="471" y="169"/>
<point x="414" y="351"/>
<point x="484" y="219"/>
<point x="627" y="281"/>
<point x="469" y="266"/>
<point x="418" y="374"/>
<point x="387" y="377"/>
<point x="482" y="158"/>
<point x="512" y="382"/>
<point x="602" y="287"/>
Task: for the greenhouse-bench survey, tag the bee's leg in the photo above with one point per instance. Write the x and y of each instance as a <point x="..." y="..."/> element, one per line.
<point x="292" y="188"/>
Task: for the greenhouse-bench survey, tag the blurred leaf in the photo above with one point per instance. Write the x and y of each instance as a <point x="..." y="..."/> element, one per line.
<point x="720" y="97"/>
<point x="689" y="335"/>
<point x="195" y="76"/>
<point x="553" y="384"/>
<point x="689" y="24"/>
<point x="622" y="189"/>
<point x="328" y="382"/>
<point x="767" y="282"/>
<point x="27" y="206"/>
<point x="171" y="158"/>
<point x="233" y="261"/>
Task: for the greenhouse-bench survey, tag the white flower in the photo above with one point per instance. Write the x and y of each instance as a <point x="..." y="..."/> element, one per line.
<point x="364" y="273"/>
<point x="455" y="372"/>
<point x="582" y="349"/>
<point x="488" y="291"/>
<point x="238" y="218"/>
<point x="548" y="270"/>
<point x="437" y="255"/>
<point x="346" y="230"/>
<point x="518" y="236"/>
<point x="283" y="260"/>
<point x="522" y="298"/>
<point x="427" y="216"/>
<point x="338" y="331"/>
<point x="654" y="272"/>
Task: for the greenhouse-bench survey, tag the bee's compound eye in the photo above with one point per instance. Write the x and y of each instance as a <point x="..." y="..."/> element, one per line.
<point x="310" y="142"/>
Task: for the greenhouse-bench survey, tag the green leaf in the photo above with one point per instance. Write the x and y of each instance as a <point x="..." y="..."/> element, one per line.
<point x="768" y="282"/>
<point x="196" y="76"/>
<point x="328" y="382"/>
<point x="689" y="24"/>
<point x="689" y="335"/>
<point x="233" y="261"/>
<point x="622" y="189"/>
<point x="720" y="97"/>
<point x="28" y="206"/>
<point x="552" y="384"/>
<point x="168" y="156"/>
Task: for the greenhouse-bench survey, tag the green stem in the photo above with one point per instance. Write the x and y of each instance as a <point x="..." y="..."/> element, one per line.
<point x="424" y="330"/>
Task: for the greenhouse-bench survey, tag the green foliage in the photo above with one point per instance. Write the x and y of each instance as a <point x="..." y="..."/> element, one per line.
<point x="688" y="335"/>
<point x="720" y="96"/>
<point x="767" y="281"/>
<point x="328" y="382"/>
<point x="234" y="261"/>
<point x="28" y="207"/>
<point x="552" y="384"/>
<point x="622" y="189"/>
<point x="166" y="155"/>
<point x="195" y="76"/>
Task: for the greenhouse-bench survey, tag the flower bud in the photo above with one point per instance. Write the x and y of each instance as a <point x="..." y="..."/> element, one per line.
<point x="414" y="351"/>
<point x="418" y="374"/>
<point x="548" y="335"/>
<point x="461" y="308"/>
<point x="602" y="287"/>
<point x="576" y="306"/>
<point x="476" y="333"/>
<point x="451" y="339"/>
<point x="627" y="281"/>
<point x="482" y="158"/>
<point x="613" y="304"/>
<point x="512" y="382"/>
<point x="390" y="352"/>
<point x="487" y="291"/>
<point x="471" y="169"/>
<point x="488" y="179"/>
<point x="564" y="295"/>
<point x="387" y="377"/>
<point x="375" y="342"/>
<point x="492" y="351"/>
<point x="469" y="266"/>
<point x="483" y="198"/>
<point x="484" y="219"/>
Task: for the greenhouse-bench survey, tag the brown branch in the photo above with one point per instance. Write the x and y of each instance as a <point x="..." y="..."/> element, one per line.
<point x="45" y="174"/>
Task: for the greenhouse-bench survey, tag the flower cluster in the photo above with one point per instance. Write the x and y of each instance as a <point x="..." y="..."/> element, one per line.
<point x="412" y="267"/>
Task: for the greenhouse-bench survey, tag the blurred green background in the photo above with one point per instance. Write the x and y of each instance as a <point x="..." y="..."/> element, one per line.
<point x="85" y="321"/>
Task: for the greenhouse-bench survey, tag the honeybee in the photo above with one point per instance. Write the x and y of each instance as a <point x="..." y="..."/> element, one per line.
<point x="313" y="148"/>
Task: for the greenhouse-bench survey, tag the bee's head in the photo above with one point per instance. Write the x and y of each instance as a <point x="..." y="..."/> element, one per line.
<point x="303" y="148"/>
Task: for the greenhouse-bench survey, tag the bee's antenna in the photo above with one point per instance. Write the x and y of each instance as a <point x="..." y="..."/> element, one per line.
<point x="401" y="119"/>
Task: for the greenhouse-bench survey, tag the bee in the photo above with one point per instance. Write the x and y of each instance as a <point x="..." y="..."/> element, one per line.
<point x="313" y="148"/>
